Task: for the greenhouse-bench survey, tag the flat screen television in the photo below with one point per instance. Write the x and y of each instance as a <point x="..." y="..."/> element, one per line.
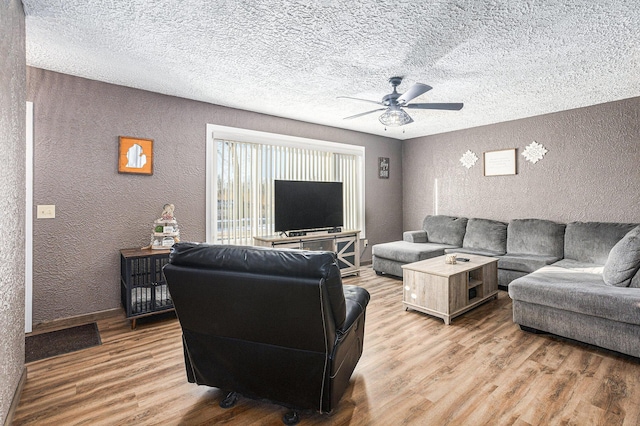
<point x="306" y="205"/>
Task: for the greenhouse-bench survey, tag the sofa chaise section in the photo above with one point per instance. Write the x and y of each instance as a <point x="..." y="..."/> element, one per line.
<point x="593" y="294"/>
<point x="438" y="233"/>
<point x="580" y="306"/>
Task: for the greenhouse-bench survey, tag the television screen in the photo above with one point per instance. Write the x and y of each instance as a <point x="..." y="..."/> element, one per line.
<point x="305" y="205"/>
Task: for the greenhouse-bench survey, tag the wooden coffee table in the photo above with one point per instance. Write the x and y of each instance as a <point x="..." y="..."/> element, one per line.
<point x="447" y="291"/>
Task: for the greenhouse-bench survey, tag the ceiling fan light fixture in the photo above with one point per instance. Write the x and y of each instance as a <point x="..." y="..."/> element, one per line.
<point x="395" y="117"/>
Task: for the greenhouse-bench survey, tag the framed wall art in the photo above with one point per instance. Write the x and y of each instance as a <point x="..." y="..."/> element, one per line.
<point x="500" y="163"/>
<point x="135" y="156"/>
<point x="383" y="167"/>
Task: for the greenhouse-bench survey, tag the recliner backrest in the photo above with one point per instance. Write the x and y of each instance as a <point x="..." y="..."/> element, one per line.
<point x="289" y="298"/>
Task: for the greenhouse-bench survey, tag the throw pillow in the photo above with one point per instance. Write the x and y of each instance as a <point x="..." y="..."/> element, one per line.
<point x="624" y="260"/>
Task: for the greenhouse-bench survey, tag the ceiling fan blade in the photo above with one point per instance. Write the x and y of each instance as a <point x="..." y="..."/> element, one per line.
<point x="358" y="99"/>
<point x="363" y="113"/>
<point x="447" y="106"/>
<point x="414" y="91"/>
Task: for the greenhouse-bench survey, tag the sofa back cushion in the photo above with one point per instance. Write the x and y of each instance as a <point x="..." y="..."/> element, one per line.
<point x="624" y="260"/>
<point x="486" y="235"/>
<point x="445" y="229"/>
<point x="591" y="242"/>
<point x="536" y="236"/>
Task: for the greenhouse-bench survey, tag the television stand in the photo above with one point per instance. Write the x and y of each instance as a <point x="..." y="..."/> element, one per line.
<point x="346" y="244"/>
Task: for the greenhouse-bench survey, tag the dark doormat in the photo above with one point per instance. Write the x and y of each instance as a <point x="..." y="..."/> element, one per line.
<point x="60" y="342"/>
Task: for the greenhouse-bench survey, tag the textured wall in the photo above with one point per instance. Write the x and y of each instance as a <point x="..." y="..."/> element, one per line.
<point x="590" y="172"/>
<point x="12" y="197"/>
<point x="98" y="211"/>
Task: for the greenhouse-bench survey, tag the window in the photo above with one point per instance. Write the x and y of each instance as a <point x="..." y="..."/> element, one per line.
<point x="241" y="168"/>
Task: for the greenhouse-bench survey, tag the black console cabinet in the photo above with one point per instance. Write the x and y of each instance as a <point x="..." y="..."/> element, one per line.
<point x="143" y="289"/>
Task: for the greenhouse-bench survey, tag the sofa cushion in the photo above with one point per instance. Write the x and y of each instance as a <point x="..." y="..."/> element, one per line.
<point x="536" y="236"/>
<point x="624" y="260"/>
<point x="445" y="229"/>
<point x="591" y="242"/>
<point x="406" y="252"/>
<point x="489" y="236"/>
<point x="577" y="291"/>
<point x="462" y="251"/>
<point x="591" y="268"/>
<point x="524" y="262"/>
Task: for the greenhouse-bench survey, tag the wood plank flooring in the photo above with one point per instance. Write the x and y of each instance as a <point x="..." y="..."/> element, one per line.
<point x="480" y="370"/>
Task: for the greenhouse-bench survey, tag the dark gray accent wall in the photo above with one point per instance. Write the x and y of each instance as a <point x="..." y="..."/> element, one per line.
<point x="99" y="212"/>
<point x="590" y="172"/>
<point x="12" y="196"/>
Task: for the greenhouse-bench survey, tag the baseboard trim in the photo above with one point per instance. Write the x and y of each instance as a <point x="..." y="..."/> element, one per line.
<point x="16" y="398"/>
<point x="59" y="324"/>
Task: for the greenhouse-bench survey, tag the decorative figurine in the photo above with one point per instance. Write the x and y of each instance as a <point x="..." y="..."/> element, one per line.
<point x="165" y="230"/>
<point x="167" y="211"/>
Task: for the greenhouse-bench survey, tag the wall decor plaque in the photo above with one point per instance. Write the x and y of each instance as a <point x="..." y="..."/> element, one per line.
<point x="500" y="163"/>
<point x="135" y="155"/>
<point x="383" y="167"/>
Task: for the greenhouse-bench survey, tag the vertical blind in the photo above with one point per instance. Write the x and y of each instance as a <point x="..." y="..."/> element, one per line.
<point x="245" y="173"/>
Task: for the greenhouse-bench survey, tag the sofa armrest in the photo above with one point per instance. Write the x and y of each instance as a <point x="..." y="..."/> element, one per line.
<point x="415" y="236"/>
<point x="356" y="298"/>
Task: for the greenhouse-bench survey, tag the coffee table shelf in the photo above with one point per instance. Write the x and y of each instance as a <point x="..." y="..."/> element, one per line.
<point x="446" y="291"/>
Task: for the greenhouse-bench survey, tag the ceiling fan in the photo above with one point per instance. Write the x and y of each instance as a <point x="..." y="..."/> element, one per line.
<point x="393" y="103"/>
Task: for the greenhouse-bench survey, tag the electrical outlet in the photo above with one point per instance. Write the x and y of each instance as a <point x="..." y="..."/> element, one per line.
<point x="46" y="211"/>
<point x="365" y="243"/>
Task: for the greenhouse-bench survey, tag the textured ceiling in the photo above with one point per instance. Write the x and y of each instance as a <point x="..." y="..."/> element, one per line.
<point x="503" y="59"/>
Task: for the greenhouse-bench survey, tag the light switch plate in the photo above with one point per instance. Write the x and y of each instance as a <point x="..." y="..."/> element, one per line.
<point x="46" y="211"/>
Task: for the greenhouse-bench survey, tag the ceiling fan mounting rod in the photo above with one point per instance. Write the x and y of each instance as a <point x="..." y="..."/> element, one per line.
<point x="395" y="81"/>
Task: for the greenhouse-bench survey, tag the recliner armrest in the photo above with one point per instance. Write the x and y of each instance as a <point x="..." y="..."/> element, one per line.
<point x="415" y="236"/>
<point x="356" y="299"/>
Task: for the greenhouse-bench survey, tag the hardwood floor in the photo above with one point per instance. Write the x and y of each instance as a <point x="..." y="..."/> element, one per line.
<point x="481" y="369"/>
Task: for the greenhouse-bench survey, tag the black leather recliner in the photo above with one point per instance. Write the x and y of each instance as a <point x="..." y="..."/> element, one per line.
<point x="272" y="324"/>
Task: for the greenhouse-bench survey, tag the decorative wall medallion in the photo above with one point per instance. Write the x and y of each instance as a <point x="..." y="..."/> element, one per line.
<point x="534" y="152"/>
<point x="468" y="159"/>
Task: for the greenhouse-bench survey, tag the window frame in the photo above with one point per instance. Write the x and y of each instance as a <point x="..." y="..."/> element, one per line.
<point x="216" y="132"/>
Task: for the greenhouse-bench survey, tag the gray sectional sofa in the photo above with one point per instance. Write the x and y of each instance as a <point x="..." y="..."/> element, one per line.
<point x="522" y="245"/>
<point x="580" y="280"/>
